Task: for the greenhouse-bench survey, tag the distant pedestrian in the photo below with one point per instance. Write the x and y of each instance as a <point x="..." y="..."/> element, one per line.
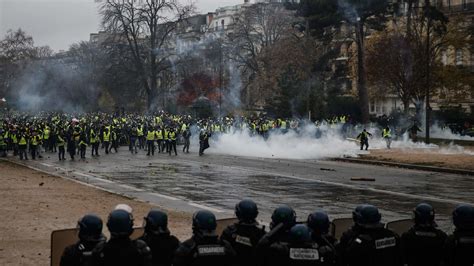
<point x="387" y="136"/>
<point x="363" y="137"/>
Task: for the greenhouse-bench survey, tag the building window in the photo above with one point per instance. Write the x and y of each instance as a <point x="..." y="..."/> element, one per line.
<point x="223" y="24"/>
<point x="459" y="57"/>
<point x="217" y="25"/>
<point x="372" y="107"/>
<point x="444" y="57"/>
<point x="464" y="4"/>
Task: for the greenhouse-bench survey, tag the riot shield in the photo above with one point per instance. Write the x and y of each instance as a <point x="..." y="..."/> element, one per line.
<point x="223" y="223"/>
<point x="400" y="226"/>
<point x="60" y="239"/>
<point x="339" y="226"/>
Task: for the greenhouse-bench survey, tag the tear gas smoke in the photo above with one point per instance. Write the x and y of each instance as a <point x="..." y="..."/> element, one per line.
<point x="211" y="45"/>
<point x="53" y="85"/>
<point x="312" y="142"/>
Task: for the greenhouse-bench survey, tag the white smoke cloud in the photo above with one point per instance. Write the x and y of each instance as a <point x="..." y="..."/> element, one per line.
<point x="315" y="143"/>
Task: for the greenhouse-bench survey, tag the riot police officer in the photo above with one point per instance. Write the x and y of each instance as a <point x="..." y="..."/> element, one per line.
<point x="460" y="245"/>
<point x="204" y="247"/>
<point x="283" y="219"/>
<point x="245" y="234"/>
<point x="371" y="244"/>
<point x="120" y="249"/>
<point x="351" y="232"/>
<point x="319" y="223"/>
<point x="158" y="237"/>
<point x="90" y="234"/>
<point x="422" y="245"/>
<point x="300" y="250"/>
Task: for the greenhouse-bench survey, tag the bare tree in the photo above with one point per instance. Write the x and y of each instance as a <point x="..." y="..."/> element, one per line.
<point x="17" y="50"/>
<point x="254" y="32"/>
<point x="146" y="27"/>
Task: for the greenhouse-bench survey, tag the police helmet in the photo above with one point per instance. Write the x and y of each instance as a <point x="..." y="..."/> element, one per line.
<point x="367" y="215"/>
<point x="120" y="223"/>
<point x="463" y="216"/>
<point x="246" y="210"/>
<point x="300" y="233"/>
<point x="283" y="214"/>
<point x="319" y="222"/>
<point x="156" y="222"/>
<point x="356" y="211"/>
<point x="204" y="222"/>
<point x="424" y="214"/>
<point x="90" y="228"/>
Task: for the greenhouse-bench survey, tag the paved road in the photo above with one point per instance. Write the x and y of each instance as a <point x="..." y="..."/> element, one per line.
<point x="217" y="182"/>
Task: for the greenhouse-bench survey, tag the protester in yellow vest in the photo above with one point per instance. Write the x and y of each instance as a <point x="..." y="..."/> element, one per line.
<point x="61" y="144"/>
<point x="172" y="141"/>
<point x="106" y="138"/>
<point x="387" y="135"/>
<point x="150" y="141"/>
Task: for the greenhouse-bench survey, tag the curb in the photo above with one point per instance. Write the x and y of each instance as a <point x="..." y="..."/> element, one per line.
<point x="407" y="166"/>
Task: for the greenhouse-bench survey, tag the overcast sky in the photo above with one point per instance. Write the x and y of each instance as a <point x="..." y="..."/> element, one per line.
<point x="60" y="23"/>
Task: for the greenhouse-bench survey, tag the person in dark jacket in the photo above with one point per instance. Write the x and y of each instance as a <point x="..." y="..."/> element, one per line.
<point x="203" y="142"/>
<point x="319" y="223"/>
<point x="245" y="234"/>
<point x="120" y="250"/>
<point x="204" y="247"/>
<point x="371" y="244"/>
<point x="459" y="246"/>
<point x="300" y="250"/>
<point x="158" y="237"/>
<point x="422" y="245"/>
<point x="90" y="235"/>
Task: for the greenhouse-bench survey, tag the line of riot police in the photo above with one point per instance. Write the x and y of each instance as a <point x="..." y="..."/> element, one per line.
<point x="287" y="242"/>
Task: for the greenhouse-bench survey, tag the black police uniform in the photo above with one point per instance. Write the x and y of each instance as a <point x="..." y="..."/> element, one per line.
<point x="346" y="237"/>
<point x="459" y="248"/>
<point x="244" y="237"/>
<point x="423" y="246"/>
<point x="122" y="252"/>
<point x="326" y="245"/>
<point x="162" y="246"/>
<point x="373" y="246"/>
<point x="285" y="254"/>
<point x="79" y="254"/>
<point x="204" y="251"/>
<point x="90" y="235"/>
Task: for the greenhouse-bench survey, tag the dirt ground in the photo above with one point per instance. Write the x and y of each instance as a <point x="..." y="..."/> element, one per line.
<point x="33" y="204"/>
<point x="425" y="157"/>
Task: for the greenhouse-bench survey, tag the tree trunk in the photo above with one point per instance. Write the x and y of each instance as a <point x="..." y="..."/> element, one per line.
<point x="153" y="93"/>
<point x="406" y="106"/>
<point x="361" y="78"/>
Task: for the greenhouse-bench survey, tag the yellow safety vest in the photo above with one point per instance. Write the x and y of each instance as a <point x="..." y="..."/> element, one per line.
<point x="140" y="132"/>
<point x="92" y="137"/>
<point x="34" y="140"/>
<point x="386" y="133"/>
<point x="160" y="134"/>
<point x="22" y="141"/>
<point x="172" y="135"/>
<point x="61" y="141"/>
<point x="46" y="134"/>
<point x="150" y="135"/>
<point x="166" y="135"/>
<point x="106" y="136"/>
